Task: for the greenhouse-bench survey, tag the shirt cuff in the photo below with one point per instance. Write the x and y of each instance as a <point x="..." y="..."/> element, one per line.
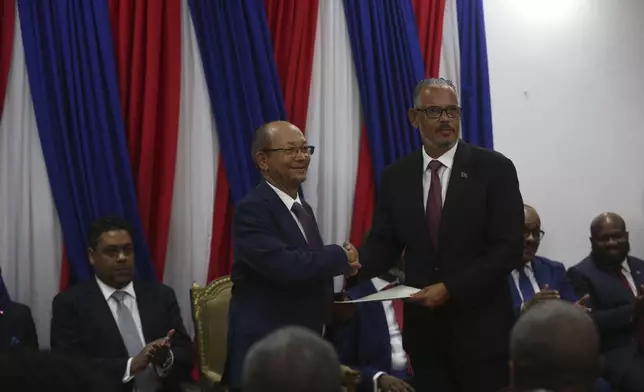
<point x="128" y="376"/>
<point x="164" y="370"/>
<point x="375" y="381"/>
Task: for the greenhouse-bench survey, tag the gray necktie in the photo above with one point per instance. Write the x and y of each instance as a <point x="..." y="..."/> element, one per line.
<point x="145" y="380"/>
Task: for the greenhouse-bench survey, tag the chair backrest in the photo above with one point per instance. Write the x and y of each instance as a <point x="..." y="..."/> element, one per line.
<point x="210" y="315"/>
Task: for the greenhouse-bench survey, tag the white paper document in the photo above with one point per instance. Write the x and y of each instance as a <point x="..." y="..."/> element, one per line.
<point x="397" y="292"/>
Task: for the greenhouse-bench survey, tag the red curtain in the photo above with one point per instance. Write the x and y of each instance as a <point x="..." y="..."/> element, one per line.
<point x="147" y="42"/>
<point x="364" y="200"/>
<point x="429" y="19"/>
<point x="221" y="245"/>
<point x="7" y="20"/>
<point x="292" y="24"/>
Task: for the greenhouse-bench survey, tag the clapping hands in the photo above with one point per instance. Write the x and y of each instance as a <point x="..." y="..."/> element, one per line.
<point x="352" y="255"/>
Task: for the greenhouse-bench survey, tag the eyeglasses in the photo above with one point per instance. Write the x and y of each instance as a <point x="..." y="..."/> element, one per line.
<point x="293" y="151"/>
<point x="437" y="111"/>
<point x="535" y="234"/>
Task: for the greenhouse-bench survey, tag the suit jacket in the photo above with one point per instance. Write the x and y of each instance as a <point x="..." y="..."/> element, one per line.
<point x="611" y="302"/>
<point x="364" y="342"/>
<point x="546" y="272"/>
<point x="480" y="241"/>
<point x="83" y="326"/>
<point x="17" y="329"/>
<point x="278" y="278"/>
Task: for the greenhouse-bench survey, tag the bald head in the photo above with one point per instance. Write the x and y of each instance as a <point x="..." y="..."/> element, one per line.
<point x="606" y="219"/>
<point x="554" y="345"/>
<point x="292" y="359"/>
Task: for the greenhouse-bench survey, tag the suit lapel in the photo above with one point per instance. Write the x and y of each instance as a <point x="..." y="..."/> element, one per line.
<point x="456" y="188"/>
<point x="104" y="316"/>
<point x="541" y="274"/>
<point x="516" y="298"/>
<point x="284" y="216"/>
<point x="638" y="274"/>
<point x="146" y="312"/>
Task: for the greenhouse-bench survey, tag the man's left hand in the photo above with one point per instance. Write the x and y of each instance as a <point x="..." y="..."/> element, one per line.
<point x="161" y="349"/>
<point x="431" y="296"/>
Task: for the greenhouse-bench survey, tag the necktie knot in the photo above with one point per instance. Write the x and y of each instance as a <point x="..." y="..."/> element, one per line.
<point x="119" y="295"/>
<point x="298" y="209"/>
<point x="434" y="165"/>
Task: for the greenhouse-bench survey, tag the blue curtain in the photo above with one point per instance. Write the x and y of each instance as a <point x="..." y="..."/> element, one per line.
<point x="242" y="80"/>
<point x="475" y="82"/>
<point x="72" y="75"/>
<point x="389" y="64"/>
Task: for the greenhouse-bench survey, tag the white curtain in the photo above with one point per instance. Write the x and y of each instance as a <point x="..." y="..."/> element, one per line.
<point x="194" y="184"/>
<point x="450" y="62"/>
<point x="30" y="234"/>
<point x="333" y="125"/>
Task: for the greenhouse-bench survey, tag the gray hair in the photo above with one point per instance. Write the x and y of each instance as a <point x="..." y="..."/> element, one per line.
<point x="292" y="359"/>
<point x="555" y="345"/>
<point x="441" y="82"/>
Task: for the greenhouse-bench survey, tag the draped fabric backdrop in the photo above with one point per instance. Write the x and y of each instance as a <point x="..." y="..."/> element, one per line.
<point x="148" y="108"/>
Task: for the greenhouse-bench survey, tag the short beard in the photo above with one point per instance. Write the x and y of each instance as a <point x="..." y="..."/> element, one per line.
<point x="609" y="259"/>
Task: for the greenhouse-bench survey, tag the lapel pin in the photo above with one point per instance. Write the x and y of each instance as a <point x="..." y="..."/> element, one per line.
<point x="463" y="175"/>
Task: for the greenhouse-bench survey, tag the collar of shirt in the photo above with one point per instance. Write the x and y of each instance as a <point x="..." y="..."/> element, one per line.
<point x="109" y="290"/>
<point x="446" y="159"/>
<point x="286" y="199"/>
<point x="380" y="284"/>
<point x="625" y="266"/>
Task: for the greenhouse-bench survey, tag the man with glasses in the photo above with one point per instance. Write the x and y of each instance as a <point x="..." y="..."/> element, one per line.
<point x="538" y="279"/>
<point x="457" y="211"/>
<point x="282" y="271"/>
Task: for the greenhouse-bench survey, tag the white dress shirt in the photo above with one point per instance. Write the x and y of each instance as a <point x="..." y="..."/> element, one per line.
<point x="398" y="355"/>
<point x="626" y="271"/>
<point x="533" y="280"/>
<point x="444" y="173"/>
<point x="130" y="302"/>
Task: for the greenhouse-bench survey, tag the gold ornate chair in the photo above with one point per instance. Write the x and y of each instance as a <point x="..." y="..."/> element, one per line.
<point x="210" y="315"/>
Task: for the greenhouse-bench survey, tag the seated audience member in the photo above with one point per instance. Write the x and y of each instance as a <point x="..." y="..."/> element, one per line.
<point x="613" y="280"/>
<point x="371" y="341"/>
<point x="17" y="328"/>
<point x="554" y="346"/>
<point x="131" y="331"/>
<point x="540" y="278"/>
<point x="291" y="359"/>
<point x="33" y="370"/>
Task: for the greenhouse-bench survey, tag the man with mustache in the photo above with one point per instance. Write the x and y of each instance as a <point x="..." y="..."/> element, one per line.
<point x="457" y="211"/>
<point x="282" y="271"/>
<point x="614" y="281"/>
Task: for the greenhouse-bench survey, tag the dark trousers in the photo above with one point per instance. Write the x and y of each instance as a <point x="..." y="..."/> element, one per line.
<point x="436" y="374"/>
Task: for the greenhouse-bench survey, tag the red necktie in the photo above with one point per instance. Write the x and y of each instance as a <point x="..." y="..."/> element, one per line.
<point x="625" y="283"/>
<point x="434" y="202"/>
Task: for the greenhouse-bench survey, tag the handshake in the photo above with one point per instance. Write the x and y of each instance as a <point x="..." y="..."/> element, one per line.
<point x="352" y="256"/>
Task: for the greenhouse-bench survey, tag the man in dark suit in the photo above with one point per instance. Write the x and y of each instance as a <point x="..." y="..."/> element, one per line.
<point x="282" y="271"/>
<point x="17" y="329"/>
<point x="458" y="212"/>
<point x="614" y="280"/>
<point x="371" y="341"/>
<point x="131" y="331"/>
<point x="538" y="279"/>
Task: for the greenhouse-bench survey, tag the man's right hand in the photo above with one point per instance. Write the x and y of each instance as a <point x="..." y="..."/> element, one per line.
<point x="544" y="295"/>
<point x="352" y="255"/>
<point x="387" y="383"/>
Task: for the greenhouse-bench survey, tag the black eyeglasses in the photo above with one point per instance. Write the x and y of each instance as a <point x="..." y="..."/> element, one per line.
<point x="437" y="111"/>
<point x="535" y="234"/>
<point x="293" y="151"/>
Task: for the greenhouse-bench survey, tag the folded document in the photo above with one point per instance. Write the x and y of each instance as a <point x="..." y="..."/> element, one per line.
<point x="397" y="292"/>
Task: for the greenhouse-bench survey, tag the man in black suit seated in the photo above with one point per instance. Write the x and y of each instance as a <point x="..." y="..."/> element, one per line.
<point x="17" y="327"/>
<point x="554" y="347"/>
<point x="131" y="331"/>
<point x="614" y="280"/>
